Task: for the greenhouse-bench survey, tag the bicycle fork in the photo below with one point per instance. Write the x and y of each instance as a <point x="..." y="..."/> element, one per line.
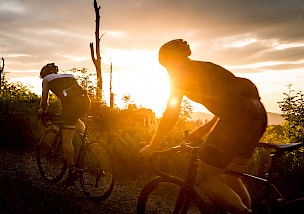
<point x="186" y="192"/>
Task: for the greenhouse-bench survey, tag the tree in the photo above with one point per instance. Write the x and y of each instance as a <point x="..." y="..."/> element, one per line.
<point x="97" y="60"/>
<point x="292" y="107"/>
<point x="83" y="77"/>
<point x="1" y="70"/>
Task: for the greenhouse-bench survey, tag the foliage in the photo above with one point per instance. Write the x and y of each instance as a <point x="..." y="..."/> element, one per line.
<point x="15" y="98"/>
<point x="85" y="79"/>
<point x="274" y="134"/>
<point x="176" y="135"/>
<point x="292" y="107"/>
<point x="17" y="104"/>
<point x="125" y="129"/>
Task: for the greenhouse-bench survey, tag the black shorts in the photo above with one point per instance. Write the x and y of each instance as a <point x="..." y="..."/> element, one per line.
<point x="74" y="108"/>
<point x="235" y="135"/>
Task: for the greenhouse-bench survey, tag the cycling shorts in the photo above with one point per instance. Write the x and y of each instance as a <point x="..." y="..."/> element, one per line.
<point x="234" y="136"/>
<point x="74" y="108"/>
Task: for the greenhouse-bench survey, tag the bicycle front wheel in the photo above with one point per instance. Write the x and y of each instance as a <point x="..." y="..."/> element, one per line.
<point x="160" y="195"/>
<point x="97" y="171"/>
<point x="50" y="157"/>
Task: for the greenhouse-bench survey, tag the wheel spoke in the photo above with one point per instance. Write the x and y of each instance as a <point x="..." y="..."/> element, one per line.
<point x="98" y="175"/>
<point x="50" y="158"/>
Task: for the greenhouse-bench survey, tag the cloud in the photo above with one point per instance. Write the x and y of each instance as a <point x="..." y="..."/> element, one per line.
<point x="229" y="32"/>
<point x="261" y="39"/>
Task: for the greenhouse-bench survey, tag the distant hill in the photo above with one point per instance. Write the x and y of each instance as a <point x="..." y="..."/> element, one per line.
<point x="273" y="118"/>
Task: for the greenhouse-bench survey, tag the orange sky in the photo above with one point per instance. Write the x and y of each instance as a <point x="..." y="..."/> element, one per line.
<point x="258" y="39"/>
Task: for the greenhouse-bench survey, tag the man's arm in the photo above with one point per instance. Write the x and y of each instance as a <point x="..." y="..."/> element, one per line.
<point x="198" y="133"/>
<point x="44" y="97"/>
<point x="168" y="120"/>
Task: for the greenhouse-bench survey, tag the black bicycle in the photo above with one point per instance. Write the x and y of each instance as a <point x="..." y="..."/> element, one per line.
<point x="166" y="193"/>
<point x="94" y="163"/>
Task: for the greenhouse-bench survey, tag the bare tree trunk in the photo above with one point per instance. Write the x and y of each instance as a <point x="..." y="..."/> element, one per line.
<point x="111" y="94"/>
<point x="1" y="70"/>
<point x="97" y="60"/>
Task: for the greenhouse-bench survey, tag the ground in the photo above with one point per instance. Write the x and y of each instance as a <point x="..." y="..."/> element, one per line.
<point x="22" y="190"/>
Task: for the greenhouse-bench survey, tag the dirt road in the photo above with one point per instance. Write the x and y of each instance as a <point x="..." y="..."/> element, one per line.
<point x="22" y="190"/>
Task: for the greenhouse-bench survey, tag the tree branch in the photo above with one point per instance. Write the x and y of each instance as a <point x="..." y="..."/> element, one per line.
<point x="96" y="55"/>
<point x="2" y="67"/>
<point x="92" y="52"/>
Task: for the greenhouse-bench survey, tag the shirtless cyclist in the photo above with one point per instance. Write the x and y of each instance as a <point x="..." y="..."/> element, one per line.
<point x="239" y="122"/>
<point x="75" y="103"/>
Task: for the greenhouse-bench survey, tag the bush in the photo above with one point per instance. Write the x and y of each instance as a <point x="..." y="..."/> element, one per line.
<point x="292" y="107"/>
<point x="17" y="107"/>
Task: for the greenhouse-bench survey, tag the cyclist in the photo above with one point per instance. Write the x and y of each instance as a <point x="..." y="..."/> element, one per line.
<point x="239" y="122"/>
<point x="75" y="103"/>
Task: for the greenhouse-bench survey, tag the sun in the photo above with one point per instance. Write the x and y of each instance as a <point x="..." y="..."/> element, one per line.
<point x="147" y="88"/>
<point x="138" y="73"/>
<point x="173" y="102"/>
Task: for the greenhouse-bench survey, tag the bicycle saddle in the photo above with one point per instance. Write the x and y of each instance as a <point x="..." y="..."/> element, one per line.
<point x="281" y="147"/>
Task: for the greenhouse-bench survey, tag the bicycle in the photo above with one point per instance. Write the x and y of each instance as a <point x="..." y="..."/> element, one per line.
<point x="94" y="163"/>
<point x="176" y="195"/>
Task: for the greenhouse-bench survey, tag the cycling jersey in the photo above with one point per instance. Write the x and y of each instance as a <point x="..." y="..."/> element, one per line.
<point x="213" y="86"/>
<point x="61" y="85"/>
<point x="235" y="100"/>
<point x="75" y="102"/>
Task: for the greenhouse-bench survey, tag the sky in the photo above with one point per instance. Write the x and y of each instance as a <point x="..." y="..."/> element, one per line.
<point x="262" y="40"/>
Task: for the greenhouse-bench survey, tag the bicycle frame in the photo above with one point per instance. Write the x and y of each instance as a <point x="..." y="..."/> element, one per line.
<point x="49" y="119"/>
<point x="188" y="193"/>
<point x="94" y="160"/>
<point x="264" y="182"/>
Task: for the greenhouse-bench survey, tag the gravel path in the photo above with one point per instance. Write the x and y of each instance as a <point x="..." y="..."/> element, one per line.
<point x="22" y="190"/>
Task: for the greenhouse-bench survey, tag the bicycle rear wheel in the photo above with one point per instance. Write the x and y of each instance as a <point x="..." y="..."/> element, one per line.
<point x="97" y="171"/>
<point x="50" y="157"/>
<point x="160" y="196"/>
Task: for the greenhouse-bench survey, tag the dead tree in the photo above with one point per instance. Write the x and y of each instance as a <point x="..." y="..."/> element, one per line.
<point x="111" y="94"/>
<point x="97" y="60"/>
<point x="1" y="70"/>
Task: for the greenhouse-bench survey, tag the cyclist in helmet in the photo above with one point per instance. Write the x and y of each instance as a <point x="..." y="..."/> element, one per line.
<point x="239" y="122"/>
<point x="75" y="103"/>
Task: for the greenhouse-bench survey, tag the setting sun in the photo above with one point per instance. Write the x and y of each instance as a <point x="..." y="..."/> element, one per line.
<point x="147" y="85"/>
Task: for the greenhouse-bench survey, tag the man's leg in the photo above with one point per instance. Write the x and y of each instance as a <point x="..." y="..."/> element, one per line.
<point x="211" y="183"/>
<point x="69" y="155"/>
<point x="80" y="126"/>
<point x="68" y="146"/>
<point x="236" y="183"/>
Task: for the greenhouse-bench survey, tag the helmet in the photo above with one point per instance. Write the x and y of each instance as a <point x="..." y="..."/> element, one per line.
<point x="48" y="69"/>
<point x="173" y="48"/>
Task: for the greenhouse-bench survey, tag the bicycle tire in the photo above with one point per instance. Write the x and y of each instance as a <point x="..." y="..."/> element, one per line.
<point x="50" y="156"/>
<point x="160" y="195"/>
<point x="97" y="171"/>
